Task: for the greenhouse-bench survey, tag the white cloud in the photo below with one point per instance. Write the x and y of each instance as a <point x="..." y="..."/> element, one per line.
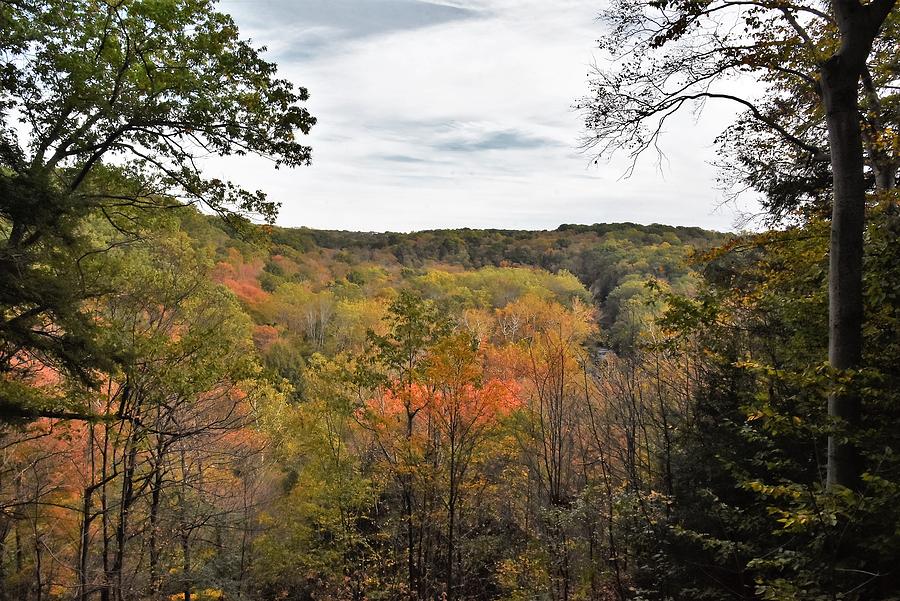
<point x="464" y="119"/>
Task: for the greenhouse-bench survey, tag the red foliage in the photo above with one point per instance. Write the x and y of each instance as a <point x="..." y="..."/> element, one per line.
<point x="241" y="278"/>
<point x="264" y="335"/>
<point x="471" y="404"/>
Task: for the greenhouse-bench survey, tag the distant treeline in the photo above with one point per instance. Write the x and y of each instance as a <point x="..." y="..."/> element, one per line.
<point x="614" y="261"/>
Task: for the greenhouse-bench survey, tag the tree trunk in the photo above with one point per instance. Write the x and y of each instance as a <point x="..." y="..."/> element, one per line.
<point x="451" y="525"/>
<point x="185" y="532"/>
<point x="127" y="499"/>
<point x="83" y="543"/>
<point x="845" y="313"/>
<point x="21" y="587"/>
<point x="4" y="532"/>
<point x="859" y="25"/>
<point x="105" y="477"/>
<point x="155" y="494"/>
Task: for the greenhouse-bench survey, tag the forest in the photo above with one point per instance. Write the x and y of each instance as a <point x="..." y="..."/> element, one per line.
<point x="198" y="404"/>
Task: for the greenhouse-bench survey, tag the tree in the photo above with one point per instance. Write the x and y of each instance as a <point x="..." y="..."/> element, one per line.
<point x="397" y="364"/>
<point x="135" y="501"/>
<point x="114" y="103"/>
<point x="464" y="409"/>
<point x="545" y="342"/>
<point x="748" y="449"/>
<point x="320" y="541"/>
<point x="672" y="54"/>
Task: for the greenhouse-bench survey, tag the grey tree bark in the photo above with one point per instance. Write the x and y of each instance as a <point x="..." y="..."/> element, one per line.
<point x="840" y="75"/>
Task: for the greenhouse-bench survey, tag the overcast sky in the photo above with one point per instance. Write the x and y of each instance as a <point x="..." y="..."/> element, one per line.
<point x="459" y="114"/>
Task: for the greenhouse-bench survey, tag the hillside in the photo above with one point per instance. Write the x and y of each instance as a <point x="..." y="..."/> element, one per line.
<point x="612" y="261"/>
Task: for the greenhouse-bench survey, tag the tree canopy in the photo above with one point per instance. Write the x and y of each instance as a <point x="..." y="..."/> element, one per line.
<point x="107" y="110"/>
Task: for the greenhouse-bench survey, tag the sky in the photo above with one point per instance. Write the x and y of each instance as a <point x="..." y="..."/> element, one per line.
<point x="447" y="114"/>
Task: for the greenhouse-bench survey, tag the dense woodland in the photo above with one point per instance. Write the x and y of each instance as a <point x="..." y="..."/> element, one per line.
<point x="196" y="404"/>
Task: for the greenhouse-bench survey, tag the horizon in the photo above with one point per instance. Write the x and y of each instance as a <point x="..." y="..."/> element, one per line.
<point x="496" y="229"/>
